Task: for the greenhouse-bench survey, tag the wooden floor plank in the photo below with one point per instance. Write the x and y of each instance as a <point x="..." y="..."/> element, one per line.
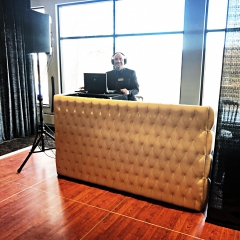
<point x="38" y="167"/>
<point x="36" y="204"/>
<point x="186" y="221"/>
<point x="211" y="231"/>
<point x="81" y="192"/>
<point x="8" y="189"/>
<point x="120" y="227"/>
<point x="41" y="214"/>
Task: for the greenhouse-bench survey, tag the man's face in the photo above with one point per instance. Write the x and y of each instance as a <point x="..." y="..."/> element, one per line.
<point x="119" y="61"/>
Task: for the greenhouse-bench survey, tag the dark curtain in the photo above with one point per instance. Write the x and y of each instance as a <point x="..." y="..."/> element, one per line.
<point x="18" y="112"/>
<point x="224" y="203"/>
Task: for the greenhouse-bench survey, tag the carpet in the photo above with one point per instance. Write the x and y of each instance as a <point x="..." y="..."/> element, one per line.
<point x="20" y="143"/>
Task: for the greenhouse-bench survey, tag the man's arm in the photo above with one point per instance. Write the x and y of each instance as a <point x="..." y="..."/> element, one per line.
<point x="134" y="86"/>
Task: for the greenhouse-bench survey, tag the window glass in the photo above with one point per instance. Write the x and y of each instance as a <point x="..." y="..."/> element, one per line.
<point x="217" y="13"/>
<point x="139" y="16"/>
<point x="154" y="58"/>
<point x="86" y="19"/>
<point x="43" y="69"/>
<point x="80" y="56"/>
<point x="233" y="15"/>
<point x="213" y="69"/>
<point x="214" y="53"/>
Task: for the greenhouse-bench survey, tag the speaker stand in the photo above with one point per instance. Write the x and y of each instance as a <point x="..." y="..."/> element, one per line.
<point x="40" y="137"/>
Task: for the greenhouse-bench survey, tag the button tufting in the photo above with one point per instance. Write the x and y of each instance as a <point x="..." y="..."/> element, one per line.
<point x="154" y="150"/>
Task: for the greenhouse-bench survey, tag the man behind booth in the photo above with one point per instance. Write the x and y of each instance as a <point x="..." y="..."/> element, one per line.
<point x="122" y="79"/>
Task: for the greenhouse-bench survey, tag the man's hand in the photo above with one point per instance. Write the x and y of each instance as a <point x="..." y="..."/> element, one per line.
<point x="125" y="91"/>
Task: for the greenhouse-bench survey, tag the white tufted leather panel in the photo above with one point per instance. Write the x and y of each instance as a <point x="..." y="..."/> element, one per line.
<point x="159" y="151"/>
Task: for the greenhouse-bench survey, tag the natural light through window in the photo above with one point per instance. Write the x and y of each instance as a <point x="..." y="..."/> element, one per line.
<point x="155" y="16"/>
<point x="151" y="39"/>
<point x="86" y="19"/>
<point x="214" y="53"/>
<point x="43" y="66"/>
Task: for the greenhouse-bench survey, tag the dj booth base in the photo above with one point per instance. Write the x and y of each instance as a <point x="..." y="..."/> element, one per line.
<point x="112" y="96"/>
<point x="158" y="151"/>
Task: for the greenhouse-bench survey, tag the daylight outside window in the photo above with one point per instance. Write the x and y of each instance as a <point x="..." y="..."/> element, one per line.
<point x="152" y="45"/>
<point x="43" y="66"/>
<point x="214" y="53"/>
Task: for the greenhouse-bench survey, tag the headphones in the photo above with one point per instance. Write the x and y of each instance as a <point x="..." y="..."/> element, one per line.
<point x="112" y="59"/>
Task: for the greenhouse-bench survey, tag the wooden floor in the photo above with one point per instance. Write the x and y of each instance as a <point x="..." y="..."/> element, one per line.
<point x="36" y="204"/>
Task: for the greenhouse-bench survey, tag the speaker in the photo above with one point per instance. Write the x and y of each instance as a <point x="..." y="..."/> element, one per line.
<point x="37" y="32"/>
<point x="112" y="59"/>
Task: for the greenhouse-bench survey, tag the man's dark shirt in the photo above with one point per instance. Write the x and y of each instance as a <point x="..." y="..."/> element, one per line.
<point x="125" y="78"/>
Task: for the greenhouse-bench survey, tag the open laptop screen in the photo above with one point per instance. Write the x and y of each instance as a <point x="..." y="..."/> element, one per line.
<point x="95" y="82"/>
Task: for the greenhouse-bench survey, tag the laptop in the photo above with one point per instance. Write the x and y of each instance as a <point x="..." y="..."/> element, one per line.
<point x="96" y="83"/>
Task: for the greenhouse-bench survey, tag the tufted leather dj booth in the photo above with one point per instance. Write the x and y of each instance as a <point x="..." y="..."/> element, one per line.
<point x="159" y="151"/>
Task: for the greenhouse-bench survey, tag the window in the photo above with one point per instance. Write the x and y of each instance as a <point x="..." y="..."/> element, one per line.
<point x="148" y="17"/>
<point x="86" y="19"/>
<point x="43" y="67"/>
<point x="214" y="52"/>
<point x="90" y="32"/>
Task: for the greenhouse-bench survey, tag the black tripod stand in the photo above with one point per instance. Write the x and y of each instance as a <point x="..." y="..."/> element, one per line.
<point x="41" y="132"/>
